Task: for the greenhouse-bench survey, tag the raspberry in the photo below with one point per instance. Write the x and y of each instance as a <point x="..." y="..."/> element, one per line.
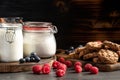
<point x="62" y="66"/>
<point x="87" y="67"/>
<point x="55" y="64"/>
<point x="46" y="69"/>
<point x="68" y="63"/>
<point x="78" y="69"/>
<point x="36" y="69"/>
<point x="61" y="59"/>
<point x="77" y="63"/>
<point x="46" y="64"/>
<point x="94" y="70"/>
<point x="60" y="72"/>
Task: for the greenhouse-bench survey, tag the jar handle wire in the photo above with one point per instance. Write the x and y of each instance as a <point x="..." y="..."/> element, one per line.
<point x="54" y="29"/>
<point x="10" y="35"/>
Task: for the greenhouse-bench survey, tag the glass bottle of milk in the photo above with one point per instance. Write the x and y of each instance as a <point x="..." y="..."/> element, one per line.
<point x="11" y="42"/>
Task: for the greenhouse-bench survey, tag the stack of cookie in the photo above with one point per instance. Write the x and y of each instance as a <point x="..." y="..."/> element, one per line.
<point x="105" y="52"/>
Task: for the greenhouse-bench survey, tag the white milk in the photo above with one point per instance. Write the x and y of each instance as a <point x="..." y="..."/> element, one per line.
<point x="43" y="44"/>
<point x="13" y="51"/>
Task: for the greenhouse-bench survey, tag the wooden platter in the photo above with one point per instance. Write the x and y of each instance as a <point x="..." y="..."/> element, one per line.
<point x="17" y="67"/>
<point x="102" y="67"/>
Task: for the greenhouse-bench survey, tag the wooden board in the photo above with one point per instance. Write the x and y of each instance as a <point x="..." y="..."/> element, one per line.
<point x="102" y="67"/>
<point x="17" y="67"/>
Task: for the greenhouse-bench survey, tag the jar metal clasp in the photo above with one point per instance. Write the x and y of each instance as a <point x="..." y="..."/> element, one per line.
<point x="10" y="35"/>
<point x="54" y="29"/>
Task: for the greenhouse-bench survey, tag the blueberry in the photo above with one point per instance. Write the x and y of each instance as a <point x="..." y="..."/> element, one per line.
<point x="27" y="59"/>
<point x="32" y="59"/>
<point x="68" y="51"/>
<point x="37" y="58"/>
<point x="32" y="53"/>
<point x="22" y="60"/>
<point x="71" y="48"/>
<point x="80" y="46"/>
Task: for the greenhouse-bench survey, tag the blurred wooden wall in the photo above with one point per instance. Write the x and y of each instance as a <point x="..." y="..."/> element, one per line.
<point x="90" y="20"/>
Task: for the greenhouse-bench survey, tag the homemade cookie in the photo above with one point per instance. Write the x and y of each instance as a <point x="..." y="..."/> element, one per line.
<point x="118" y="52"/>
<point x="94" y="45"/>
<point x="111" y="45"/>
<point x="96" y="60"/>
<point x="90" y="55"/>
<point x="84" y="52"/>
<point x="79" y="49"/>
<point x="73" y="55"/>
<point x="106" y="56"/>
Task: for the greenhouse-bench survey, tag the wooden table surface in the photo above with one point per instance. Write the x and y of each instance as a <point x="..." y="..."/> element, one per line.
<point x="70" y="75"/>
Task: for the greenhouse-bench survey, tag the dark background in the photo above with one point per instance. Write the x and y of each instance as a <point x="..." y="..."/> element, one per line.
<point x="73" y="19"/>
<point x="29" y="9"/>
<point x="33" y="10"/>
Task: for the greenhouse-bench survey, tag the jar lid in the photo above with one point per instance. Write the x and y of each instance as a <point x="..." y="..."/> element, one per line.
<point x="10" y="22"/>
<point x="10" y="25"/>
<point x="37" y="26"/>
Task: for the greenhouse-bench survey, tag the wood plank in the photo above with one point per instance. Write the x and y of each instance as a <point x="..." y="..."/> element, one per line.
<point x="17" y="67"/>
<point x="102" y="67"/>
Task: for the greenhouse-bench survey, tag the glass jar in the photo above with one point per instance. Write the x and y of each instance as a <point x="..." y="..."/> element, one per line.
<point x="11" y="42"/>
<point x="39" y="38"/>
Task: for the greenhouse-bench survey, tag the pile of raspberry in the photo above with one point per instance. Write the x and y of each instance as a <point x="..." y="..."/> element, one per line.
<point x="38" y="69"/>
<point x="60" y="67"/>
